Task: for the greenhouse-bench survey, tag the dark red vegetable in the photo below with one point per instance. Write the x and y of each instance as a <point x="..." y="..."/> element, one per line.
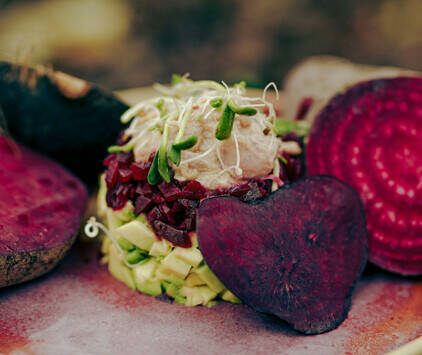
<point x="41" y="206"/>
<point x="67" y="118"/>
<point x="296" y="254"/>
<point x="371" y="138"/>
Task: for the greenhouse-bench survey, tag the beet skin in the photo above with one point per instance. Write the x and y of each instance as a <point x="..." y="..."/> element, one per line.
<point x="371" y="138"/>
<point x="296" y="254"/>
<point x="69" y="119"/>
<point x="41" y="206"/>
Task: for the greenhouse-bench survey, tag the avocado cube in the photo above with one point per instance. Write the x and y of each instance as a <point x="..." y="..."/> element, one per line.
<point x="106" y="245"/>
<point x="112" y="221"/>
<point x="192" y="256"/>
<point x="194" y="280"/>
<point x="101" y="198"/>
<point x="197" y="295"/>
<point x="230" y="297"/>
<point x="118" y="269"/>
<point x="137" y="233"/>
<point x="145" y="280"/>
<point x="205" y="273"/>
<point x="194" y="239"/>
<point x="193" y="295"/>
<point x="207" y="294"/>
<point x="171" y="264"/>
<point x="127" y="213"/>
<point x="160" y="248"/>
<point x="168" y="277"/>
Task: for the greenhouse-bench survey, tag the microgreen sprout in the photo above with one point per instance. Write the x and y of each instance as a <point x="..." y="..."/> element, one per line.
<point x="153" y="174"/>
<point x="282" y="126"/>
<point x="216" y="103"/>
<point x="283" y="159"/>
<point x="225" y="125"/>
<point x="120" y="148"/>
<point x="186" y="144"/>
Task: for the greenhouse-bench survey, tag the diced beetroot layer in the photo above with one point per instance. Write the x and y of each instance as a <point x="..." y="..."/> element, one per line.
<point x="296" y="254"/>
<point x="370" y="137"/>
<point x="174" y="204"/>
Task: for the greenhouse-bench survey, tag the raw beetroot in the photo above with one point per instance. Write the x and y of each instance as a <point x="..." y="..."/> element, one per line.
<point x="370" y="137"/>
<point x="296" y="254"/>
<point x="41" y="205"/>
<point x="67" y="118"/>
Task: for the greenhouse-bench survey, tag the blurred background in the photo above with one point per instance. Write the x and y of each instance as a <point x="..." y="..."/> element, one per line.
<point x="128" y="43"/>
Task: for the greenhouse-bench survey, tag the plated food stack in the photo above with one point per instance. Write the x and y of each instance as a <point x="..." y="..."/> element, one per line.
<point x="200" y="139"/>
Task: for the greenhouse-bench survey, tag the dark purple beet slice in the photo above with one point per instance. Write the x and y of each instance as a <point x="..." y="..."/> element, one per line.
<point x="67" y="118"/>
<point x="41" y="205"/>
<point x="296" y="254"/>
<point x="370" y="137"/>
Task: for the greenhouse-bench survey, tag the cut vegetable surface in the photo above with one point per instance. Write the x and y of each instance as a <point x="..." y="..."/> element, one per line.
<point x="68" y="118"/>
<point x="296" y="254"/>
<point x="370" y="137"/>
<point x="41" y="205"/>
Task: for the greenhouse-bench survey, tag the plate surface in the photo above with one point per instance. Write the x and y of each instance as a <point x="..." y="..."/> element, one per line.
<point x="80" y="309"/>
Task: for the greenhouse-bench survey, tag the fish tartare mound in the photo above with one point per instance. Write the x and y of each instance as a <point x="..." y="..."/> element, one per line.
<point x="199" y="139"/>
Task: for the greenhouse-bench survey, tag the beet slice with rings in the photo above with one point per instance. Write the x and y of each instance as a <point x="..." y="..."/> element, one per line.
<point x="296" y="254"/>
<point x="371" y="138"/>
<point x="41" y="206"/>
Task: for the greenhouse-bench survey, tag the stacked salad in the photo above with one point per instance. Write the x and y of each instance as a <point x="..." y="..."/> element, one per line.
<point x="198" y="139"/>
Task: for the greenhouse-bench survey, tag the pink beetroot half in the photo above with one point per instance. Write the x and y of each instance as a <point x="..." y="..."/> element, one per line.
<point x="371" y="138"/>
<point x="296" y="254"/>
<point x="41" y="206"/>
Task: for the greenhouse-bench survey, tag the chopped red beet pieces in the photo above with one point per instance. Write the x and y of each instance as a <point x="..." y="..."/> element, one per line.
<point x="173" y="203"/>
<point x="125" y="175"/>
<point x="140" y="170"/>
<point x="142" y="203"/>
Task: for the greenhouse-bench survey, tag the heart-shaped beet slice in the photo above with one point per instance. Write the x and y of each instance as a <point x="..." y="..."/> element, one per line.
<point x="296" y="254"/>
<point x="371" y="138"/>
<point x="41" y="205"/>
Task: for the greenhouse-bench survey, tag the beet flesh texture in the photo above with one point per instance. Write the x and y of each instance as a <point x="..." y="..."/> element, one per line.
<point x="74" y="131"/>
<point x="370" y="137"/>
<point x="41" y="206"/>
<point x="296" y="254"/>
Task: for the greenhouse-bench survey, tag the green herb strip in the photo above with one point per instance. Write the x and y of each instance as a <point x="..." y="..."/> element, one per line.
<point x="174" y="155"/>
<point x="216" y="103"/>
<point x="225" y="125"/>
<point x="282" y="126"/>
<point x="153" y="174"/>
<point x="186" y="144"/>
<point x="248" y="111"/>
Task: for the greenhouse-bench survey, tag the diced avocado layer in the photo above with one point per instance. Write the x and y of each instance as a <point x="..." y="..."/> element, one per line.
<point x="158" y="266"/>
